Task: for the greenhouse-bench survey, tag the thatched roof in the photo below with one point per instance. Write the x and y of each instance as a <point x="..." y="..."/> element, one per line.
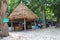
<point x="22" y="12"/>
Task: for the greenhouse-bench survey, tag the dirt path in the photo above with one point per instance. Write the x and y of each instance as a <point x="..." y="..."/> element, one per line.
<point x="50" y="33"/>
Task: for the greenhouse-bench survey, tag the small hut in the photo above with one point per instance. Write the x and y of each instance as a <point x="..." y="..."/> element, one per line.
<point x="22" y="12"/>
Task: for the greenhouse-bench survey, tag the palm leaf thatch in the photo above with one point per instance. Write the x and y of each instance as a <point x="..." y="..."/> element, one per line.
<point x="22" y="12"/>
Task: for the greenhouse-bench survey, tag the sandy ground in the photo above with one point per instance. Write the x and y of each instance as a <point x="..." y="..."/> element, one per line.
<point x="50" y="33"/>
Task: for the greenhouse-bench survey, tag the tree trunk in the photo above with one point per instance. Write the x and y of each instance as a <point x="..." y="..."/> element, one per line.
<point x="58" y="21"/>
<point x="44" y="19"/>
<point x="3" y="26"/>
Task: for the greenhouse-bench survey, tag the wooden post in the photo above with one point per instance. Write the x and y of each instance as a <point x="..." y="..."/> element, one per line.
<point x="31" y="24"/>
<point x="35" y="23"/>
<point x="24" y="24"/>
<point x="11" y="26"/>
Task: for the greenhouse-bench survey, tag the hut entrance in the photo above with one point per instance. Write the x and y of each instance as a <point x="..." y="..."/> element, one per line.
<point x="16" y="25"/>
<point x="19" y="25"/>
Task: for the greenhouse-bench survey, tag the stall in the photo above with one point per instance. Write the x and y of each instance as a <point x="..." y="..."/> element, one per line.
<point x="22" y="14"/>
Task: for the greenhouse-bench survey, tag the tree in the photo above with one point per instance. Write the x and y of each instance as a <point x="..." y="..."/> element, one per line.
<point x="3" y="26"/>
<point x="39" y="7"/>
<point x="56" y="9"/>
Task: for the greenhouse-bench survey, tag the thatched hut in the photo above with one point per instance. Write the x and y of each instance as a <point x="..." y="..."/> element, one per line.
<point x="22" y="12"/>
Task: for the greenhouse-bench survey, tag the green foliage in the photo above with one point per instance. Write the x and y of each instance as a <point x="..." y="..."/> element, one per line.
<point x="51" y="7"/>
<point x="12" y="4"/>
<point x="56" y="8"/>
<point x="50" y="14"/>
